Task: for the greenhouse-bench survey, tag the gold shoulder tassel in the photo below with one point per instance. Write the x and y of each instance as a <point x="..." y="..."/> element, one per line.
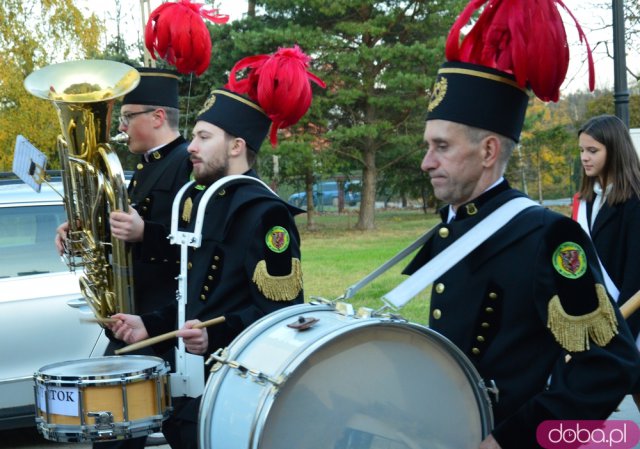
<point x="279" y="288"/>
<point x="573" y="332"/>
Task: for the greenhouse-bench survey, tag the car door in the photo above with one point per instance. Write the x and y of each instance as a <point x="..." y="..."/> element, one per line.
<point x="38" y="325"/>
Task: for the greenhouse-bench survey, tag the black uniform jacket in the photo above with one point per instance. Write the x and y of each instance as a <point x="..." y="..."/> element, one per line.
<point x="247" y="266"/>
<point x="500" y="306"/>
<point x="156" y="262"/>
<point x="616" y="236"/>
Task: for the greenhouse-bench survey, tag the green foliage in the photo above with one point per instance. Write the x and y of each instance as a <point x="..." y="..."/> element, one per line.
<point x="378" y="60"/>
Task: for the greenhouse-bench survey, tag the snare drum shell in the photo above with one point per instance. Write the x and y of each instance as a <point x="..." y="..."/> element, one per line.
<point x="345" y="381"/>
<point x="133" y="389"/>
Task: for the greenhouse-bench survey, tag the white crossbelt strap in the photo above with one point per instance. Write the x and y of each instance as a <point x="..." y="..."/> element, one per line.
<point x="454" y="253"/>
<point x="188" y="379"/>
<point x="608" y="282"/>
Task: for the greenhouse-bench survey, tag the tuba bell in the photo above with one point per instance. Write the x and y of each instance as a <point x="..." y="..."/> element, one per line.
<point x="83" y="94"/>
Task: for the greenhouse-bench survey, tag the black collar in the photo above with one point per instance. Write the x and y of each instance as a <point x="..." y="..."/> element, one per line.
<point x="473" y="207"/>
<point x="162" y="152"/>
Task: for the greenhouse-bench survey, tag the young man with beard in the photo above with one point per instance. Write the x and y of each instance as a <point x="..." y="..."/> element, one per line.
<point x="248" y="264"/>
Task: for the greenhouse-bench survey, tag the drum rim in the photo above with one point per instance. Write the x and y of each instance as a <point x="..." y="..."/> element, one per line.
<point x="267" y="398"/>
<point x="161" y="367"/>
<point x="68" y="433"/>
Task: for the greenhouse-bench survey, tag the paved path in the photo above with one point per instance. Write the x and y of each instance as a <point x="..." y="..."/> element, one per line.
<point x="628" y="411"/>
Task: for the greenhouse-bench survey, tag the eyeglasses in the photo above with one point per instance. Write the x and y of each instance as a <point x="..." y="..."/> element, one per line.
<point x="124" y="119"/>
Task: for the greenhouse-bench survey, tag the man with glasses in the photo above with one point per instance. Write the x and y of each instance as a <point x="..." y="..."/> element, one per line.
<point x="149" y="116"/>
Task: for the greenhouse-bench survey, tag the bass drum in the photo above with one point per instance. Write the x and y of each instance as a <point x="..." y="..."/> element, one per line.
<point x="342" y="383"/>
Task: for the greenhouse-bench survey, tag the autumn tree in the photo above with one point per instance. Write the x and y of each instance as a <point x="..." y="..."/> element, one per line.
<point x="543" y="163"/>
<point x="34" y="34"/>
<point x="604" y="104"/>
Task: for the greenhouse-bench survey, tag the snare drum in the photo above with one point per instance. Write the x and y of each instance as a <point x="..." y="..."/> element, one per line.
<point x="342" y="383"/>
<point x="106" y="398"/>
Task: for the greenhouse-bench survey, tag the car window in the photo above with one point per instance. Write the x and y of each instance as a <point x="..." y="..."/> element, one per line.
<point x="26" y="240"/>
<point x="327" y="186"/>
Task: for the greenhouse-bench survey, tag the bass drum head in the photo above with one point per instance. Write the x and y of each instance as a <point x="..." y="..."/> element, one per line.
<point x="386" y="385"/>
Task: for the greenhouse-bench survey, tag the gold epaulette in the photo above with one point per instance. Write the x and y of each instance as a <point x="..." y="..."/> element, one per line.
<point x="574" y="332"/>
<point x="279" y="288"/>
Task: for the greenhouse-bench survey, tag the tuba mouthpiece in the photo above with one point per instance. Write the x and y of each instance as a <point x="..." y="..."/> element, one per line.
<point x="120" y="138"/>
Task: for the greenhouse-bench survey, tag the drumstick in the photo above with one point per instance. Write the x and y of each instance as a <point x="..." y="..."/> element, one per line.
<point x="163" y="337"/>
<point x="631" y="305"/>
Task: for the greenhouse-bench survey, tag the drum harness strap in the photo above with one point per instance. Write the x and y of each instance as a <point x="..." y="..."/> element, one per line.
<point x="455" y="252"/>
<point x="440" y="264"/>
<point x="444" y="261"/>
<point x="188" y="380"/>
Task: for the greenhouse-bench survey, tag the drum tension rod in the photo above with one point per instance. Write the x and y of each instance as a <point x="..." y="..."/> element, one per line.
<point x="104" y="420"/>
<point x="220" y="356"/>
<point x="493" y="389"/>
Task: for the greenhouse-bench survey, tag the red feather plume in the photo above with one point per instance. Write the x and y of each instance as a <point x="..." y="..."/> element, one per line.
<point x="523" y="37"/>
<point x="279" y="83"/>
<point x="177" y="33"/>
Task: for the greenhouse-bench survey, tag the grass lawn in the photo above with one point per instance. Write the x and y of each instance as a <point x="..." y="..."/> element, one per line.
<point x="338" y="256"/>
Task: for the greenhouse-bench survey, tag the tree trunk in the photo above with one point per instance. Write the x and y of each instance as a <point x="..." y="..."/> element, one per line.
<point x="539" y="178"/>
<point x="521" y="167"/>
<point x="311" y="212"/>
<point x="366" y="216"/>
<point x="251" y="8"/>
<point x="340" y="182"/>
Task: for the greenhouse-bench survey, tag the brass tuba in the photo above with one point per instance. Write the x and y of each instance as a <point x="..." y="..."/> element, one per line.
<point x="83" y="93"/>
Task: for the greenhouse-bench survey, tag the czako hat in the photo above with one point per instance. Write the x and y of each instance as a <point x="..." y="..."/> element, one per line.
<point x="158" y="87"/>
<point x="480" y="97"/>
<point x="237" y="115"/>
<point x="512" y="49"/>
<point x="275" y="94"/>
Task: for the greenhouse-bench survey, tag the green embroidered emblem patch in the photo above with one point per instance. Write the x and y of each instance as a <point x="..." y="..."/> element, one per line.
<point x="570" y="260"/>
<point x="277" y="239"/>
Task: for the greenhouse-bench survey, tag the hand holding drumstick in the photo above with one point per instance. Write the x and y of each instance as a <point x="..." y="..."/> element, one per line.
<point x="131" y="329"/>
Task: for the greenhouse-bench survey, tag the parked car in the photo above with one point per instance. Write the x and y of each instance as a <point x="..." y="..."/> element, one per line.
<point x="326" y="194"/>
<point x="41" y="307"/>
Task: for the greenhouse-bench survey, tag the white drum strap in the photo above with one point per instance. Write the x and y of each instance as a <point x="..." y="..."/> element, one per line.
<point x="454" y="253"/>
<point x="188" y="380"/>
<point x="584" y="223"/>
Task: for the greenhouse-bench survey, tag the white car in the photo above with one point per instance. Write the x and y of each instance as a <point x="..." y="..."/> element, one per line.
<point x="43" y="316"/>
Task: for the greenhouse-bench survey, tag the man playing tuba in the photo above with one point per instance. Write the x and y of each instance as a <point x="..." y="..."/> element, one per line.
<point x="149" y="116"/>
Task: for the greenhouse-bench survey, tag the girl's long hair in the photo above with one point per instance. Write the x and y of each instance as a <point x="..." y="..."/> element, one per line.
<point x="622" y="166"/>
